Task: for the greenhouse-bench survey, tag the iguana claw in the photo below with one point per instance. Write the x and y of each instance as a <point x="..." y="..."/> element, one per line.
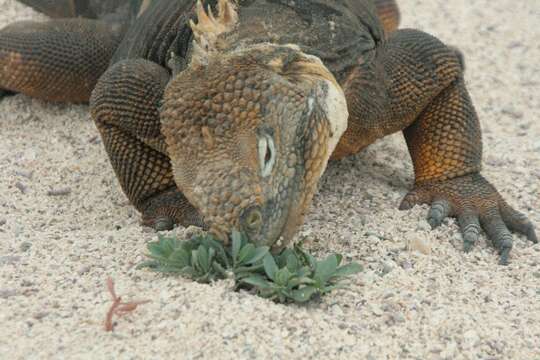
<point x="163" y="224"/>
<point x="477" y="205"/>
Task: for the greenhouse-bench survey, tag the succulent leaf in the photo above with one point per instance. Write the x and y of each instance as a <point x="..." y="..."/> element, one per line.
<point x="291" y="276"/>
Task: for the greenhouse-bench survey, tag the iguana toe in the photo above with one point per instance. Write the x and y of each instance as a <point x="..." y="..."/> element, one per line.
<point x="166" y="209"/>
<point x="163" y="224"/>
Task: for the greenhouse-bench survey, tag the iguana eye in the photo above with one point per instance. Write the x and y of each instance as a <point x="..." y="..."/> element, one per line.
<point x="267" y="154"/>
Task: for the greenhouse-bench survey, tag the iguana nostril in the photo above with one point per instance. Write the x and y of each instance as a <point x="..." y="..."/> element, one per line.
<point x="255" y="219"/>
<point x="251" y="219"/>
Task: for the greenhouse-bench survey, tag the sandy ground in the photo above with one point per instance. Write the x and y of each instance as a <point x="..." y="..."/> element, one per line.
<point x="57" y="251"/>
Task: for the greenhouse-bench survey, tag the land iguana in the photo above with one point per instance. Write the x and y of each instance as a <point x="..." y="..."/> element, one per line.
<point x="225" y="113"/>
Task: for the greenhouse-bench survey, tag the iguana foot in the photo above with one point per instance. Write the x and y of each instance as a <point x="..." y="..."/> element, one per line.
<point x="476" y="204"/>
<point x="169" y="208"/>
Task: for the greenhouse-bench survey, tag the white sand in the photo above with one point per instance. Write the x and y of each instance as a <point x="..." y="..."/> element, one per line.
<point x="56" y="252"/>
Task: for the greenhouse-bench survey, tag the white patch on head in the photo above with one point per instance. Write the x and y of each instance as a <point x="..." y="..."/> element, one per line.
<point x="335" y="106"/>
<point x="311" y="102"/>
<point x="313" y="58"/>
<point x="290" y="46"/>
<point x="337" y="113"/>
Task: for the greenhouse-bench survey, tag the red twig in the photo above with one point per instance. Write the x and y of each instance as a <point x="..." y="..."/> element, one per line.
<point x="118" y="308"/>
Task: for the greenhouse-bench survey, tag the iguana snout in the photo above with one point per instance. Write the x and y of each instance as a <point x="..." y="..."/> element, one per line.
<point x="249" y="134"/>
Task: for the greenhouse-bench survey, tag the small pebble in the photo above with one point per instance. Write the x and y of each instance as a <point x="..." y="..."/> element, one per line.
<point x="495" y="161"/>
<point x="377" y="310"/>
<point x="2" y="222"/>
<point x="449" y="351"/>
<point x="10" y="259"/>
<point x="418" y="242"/>
<point x="497" y="346"/>
<point x="369" y="277"/>
<point x="84" y="270"/>
<point x="470" y="338"/>
<point x="336" y="310"/>
<point x="25" y="173"/>
<point x="7" y="293"/>
<point x="513" y="113"/>
<point x="22" y="188"/>
<point x="406" y="265"/>
<point x="25" y="246"/>
<point x="27" y="283"/>
<point x="536" y="146"/>
<point x="398" y="318"/>
<point x="373" y="239"/>
<point x="525" y="126"/>
<point x="59" y="192"/>
<point x="387" y="267"/>
<point x="40" y="315"/>
<point x="423" y="225"/>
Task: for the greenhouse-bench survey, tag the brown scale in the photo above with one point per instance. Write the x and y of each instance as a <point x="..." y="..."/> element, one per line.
<point x="389" y="89"/>
<point x="58" y="60"/>
<point x="443" y="141"/>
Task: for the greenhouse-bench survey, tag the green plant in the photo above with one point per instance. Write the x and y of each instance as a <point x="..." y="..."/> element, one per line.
<point x="292" y="275"/>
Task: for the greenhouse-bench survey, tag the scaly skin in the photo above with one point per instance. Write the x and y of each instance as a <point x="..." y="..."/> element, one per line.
<point x="77" y="53"/>
<point x="91" y="9"/>
<point x="234" y="127"/>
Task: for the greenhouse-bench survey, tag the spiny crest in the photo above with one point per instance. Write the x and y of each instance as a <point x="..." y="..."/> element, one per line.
<point x="209" y="27"/>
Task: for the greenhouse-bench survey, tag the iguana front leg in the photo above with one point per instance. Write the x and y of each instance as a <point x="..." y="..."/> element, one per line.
<point x="56" y="8"/>
<point x="56" y="60"/>
<point x="415" y="83"/>
<point x="125" y="108"/>
<point x="446" y="149"/>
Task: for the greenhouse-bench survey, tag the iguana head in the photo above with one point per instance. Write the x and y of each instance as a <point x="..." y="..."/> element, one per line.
<point x="249" y="132"/>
